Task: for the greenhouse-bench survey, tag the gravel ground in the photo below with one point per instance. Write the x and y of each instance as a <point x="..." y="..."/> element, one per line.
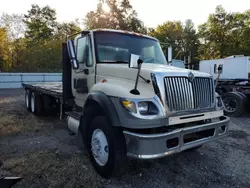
<point x="44" y="154"/>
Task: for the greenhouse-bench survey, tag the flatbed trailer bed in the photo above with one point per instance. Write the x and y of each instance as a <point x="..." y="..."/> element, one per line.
<point x="52" y="89"/>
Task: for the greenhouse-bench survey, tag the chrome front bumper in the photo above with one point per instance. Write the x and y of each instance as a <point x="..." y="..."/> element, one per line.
<point x="151" y="146"/>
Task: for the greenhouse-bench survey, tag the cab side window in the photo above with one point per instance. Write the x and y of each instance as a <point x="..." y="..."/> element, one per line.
<point x="215" y="69"/>
<point x="81" y="50"/>
<point x="84" y="51"/>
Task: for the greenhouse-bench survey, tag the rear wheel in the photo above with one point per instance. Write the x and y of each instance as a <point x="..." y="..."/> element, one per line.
<point x="36" y="104"/>
<point x="107" y="148"/>
<point x="244" y="97"/>
<point x="234" y="104"/>
<point x="27" y="99"/>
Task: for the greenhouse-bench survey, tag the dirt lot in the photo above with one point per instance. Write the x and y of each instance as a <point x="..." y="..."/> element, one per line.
<point x="42" y="151"/>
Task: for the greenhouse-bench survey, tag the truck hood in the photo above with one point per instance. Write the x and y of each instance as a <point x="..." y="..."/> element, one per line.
<point x="122" y="71"/>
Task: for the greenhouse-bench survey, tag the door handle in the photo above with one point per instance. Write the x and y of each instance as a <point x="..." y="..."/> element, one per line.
<point x="86" y="71"/>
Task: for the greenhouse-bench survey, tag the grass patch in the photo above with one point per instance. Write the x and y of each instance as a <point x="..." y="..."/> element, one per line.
<point x="11" y="124"/>
<point x="51" y="169"/>
<point x="8" y="125"/>
<point x="14" y="118"/>
<point x="14" y="165"/>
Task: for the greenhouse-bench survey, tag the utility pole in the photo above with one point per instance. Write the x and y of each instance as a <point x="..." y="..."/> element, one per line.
<point x="189" y="60"/>
<point x="185" y="62"/>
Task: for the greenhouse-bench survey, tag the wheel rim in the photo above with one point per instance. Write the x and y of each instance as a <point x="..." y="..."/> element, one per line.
<point x="32" y="103"/>
<point x="27" y="100"/>
<point x="230" y="104"/>
<point x="99" y="147"/>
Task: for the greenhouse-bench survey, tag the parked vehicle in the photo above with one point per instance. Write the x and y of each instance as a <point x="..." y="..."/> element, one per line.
<point x="233" y="84"/>
<point x="177" y="63"/>
<point x="123" y="100"/>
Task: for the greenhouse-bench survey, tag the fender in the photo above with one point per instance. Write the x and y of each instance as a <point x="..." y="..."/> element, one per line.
<point x="107" y="106"/>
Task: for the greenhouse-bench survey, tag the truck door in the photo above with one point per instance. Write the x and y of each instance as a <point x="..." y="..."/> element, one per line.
<point x="83" y="78"/>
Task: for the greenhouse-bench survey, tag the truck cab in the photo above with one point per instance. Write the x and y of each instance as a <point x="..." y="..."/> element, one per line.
<point x="127" y="101"/>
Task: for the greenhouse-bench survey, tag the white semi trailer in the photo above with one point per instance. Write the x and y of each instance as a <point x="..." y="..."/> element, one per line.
<point x="233" y="81"/>
<point x="234" y="67"/>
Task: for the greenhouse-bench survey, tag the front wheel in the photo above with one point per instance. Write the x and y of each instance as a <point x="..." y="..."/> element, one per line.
<point x="107" y="148"/>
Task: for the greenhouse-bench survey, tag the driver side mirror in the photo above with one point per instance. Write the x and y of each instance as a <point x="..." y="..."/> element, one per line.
<point x="220" y="69"/>
<point x="72" y="54"/>
<point x="133" y="63"/>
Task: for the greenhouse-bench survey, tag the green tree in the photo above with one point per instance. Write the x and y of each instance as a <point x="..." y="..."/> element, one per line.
<point x="240" y="33"/>
<point x="43" y="39"/>
<point x="66" y="29"/>
<point x="170" y="33"/>
<point x="41" y="23"/>
<point x="182" y="37"/>
<point x="3" y="50"/>
<point x="190" y="42"/>
<point x="120" y="16"/>
<point x="42" y="57"/>
<point x="32" y="43"/>
<point x="214" y="33"/>
<point x="15" y="29"/>
<point x="224" y="34"/>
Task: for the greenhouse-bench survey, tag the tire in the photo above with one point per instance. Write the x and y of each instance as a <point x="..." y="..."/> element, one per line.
<point x="244" y="97"/>
<point x="234" y="104"/>
<point x="27" y="99"/>
<point x="50" y="108"/>
<point x="112" y="145"/>
<point x="36" y="104"/>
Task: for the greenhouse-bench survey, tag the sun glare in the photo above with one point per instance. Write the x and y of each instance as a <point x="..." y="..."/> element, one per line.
<point x="105" y="7"/>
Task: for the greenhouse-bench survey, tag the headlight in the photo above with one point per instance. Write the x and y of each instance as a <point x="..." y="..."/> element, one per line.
<point x="141" y="108"/>
<point x="147" y="108"/>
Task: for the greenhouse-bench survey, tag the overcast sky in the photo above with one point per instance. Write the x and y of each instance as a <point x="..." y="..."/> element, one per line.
<point x="151" y="12"/>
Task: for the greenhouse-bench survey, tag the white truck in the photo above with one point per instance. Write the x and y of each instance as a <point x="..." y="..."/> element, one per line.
<point x="234" y="67"/>
<point x="233" y="83"/>
<point x="123" y="100"/>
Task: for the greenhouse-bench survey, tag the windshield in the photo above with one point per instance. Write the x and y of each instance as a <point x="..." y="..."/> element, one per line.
<point x="115" y="47"/>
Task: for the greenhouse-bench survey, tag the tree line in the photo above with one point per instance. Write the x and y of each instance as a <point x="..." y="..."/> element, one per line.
<point x="32" y="42"/>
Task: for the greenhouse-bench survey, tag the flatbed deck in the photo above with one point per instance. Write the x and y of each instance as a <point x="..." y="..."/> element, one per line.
<point x="53" y="89"/>
<point x="50" y="88"/>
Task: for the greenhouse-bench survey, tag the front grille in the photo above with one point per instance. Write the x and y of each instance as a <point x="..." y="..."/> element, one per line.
<point x="181" y="94"/>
